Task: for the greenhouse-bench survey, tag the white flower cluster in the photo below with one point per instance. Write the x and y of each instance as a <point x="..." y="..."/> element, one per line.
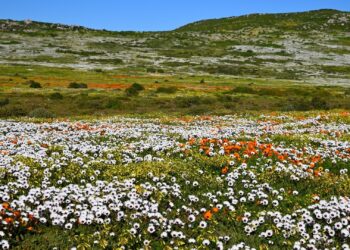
<point x="71" y="189"/>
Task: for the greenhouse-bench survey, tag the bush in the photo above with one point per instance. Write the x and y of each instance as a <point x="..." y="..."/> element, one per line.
<point x="34" y="84"/>
<point x="41" y="113"/>
<point x="113" y="103"/>
<point x="77" y="85"/>
<point x="191" y="101"/>
<point x="131" y="92"/>
<point x="244" y="90"/>
<point x="12" y="112"/>
<point x="319" y="103"/>
<point x="296" y="104"/>
<point x="151" y="70"/>
<point x="4" y="102"/>
<point x="137" y="86"/>
<point x="134" y="89"/>
<point x="167" y="90"/>
<point x="270" y="92"/>
<point x="187" y="101"/>
<point x="56" y="96"/>
<point x="198" y="110"/>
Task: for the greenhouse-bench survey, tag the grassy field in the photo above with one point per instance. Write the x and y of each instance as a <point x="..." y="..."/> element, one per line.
<point x="107" y="93"/>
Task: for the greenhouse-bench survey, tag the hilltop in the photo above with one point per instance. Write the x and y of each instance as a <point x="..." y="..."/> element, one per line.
<point x="299" y="21"/>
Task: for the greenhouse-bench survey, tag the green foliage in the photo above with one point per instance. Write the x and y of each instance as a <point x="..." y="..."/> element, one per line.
<point x="292" y="21"/>
<point x="336" y="69"/>
<point x="4" y="101"/>
<point x="190" y="101"/>
<point x="41" y="113"/>
<point x="134" y="89"/>
<point x="76" y="85"/>
<point x="12" y="112"/>
<point x="244" y="90"/>
<point x="34" y="84"/>
<point x="167" y="90"/>
<point x="318" y="102"/>
<point x="56" y="96"/>
<point x="137" y="86"/>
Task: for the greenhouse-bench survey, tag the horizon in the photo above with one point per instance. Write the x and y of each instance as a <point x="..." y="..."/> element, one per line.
<point x="114" y="16"/>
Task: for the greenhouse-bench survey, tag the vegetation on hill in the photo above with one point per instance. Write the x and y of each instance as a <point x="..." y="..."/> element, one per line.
<point x="312" y="46"/>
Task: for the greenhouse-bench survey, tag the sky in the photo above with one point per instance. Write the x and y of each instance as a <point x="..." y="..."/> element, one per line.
<point x="150" y="15"/>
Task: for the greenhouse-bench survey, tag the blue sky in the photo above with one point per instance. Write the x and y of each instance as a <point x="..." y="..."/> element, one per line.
<point x="147" y="15"/>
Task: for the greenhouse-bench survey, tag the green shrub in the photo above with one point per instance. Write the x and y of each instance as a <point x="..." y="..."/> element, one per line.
<point x="12" y="112"/>
<point x="244" y="90"/>
<point x="190" y="101"/>
<point x="134" y="89"/>
<point x="113" y="103"/>
<point x="167" y="90"/>
<point x="34" y="84"/>
<point x="151" y="70"/>
<point x="318" y="102"/>
<point x="41" y="113"/>
<point x="270" y="92"/>
<point x="4" y="102"/>
<point x="56" y="96"/>
<point x="187" y="101"/>
<point x="131" y="92"/>
<point x="198" y="110"/>
<point x="296" y="104"/>
<point x="137" y="86"/>
<point x="77" y="85"/>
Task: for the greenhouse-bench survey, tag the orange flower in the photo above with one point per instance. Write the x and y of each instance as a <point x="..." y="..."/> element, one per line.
<point x="215" y="210"/>
<point x="30" y="228"/>
<point x="207" y="215"/>
<point x="6" y="205"/>
<point x="17" y="213"/>
<point x="9" y="220"/>
<point x="317" y="173"/>
<point x="224" y="170"/>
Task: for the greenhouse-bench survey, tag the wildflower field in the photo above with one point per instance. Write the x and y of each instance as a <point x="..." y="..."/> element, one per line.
<point x="274" y="181"/>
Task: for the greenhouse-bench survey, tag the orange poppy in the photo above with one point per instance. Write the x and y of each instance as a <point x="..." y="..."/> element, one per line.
<point x="207" y="215"/>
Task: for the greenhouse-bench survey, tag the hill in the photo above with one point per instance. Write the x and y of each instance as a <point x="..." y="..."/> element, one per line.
<point x="300" y="21"/>
<point x="313" y="46"/>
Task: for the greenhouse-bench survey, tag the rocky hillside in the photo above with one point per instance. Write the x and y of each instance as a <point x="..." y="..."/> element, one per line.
<point x="312" y="46"/>
<point x="320" y="20"/>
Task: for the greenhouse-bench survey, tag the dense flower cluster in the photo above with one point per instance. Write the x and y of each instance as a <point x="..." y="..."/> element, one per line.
<point x="65" y="174"/>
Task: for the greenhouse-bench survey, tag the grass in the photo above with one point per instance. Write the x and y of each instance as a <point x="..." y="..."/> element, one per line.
<point x="107" y="93"/>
